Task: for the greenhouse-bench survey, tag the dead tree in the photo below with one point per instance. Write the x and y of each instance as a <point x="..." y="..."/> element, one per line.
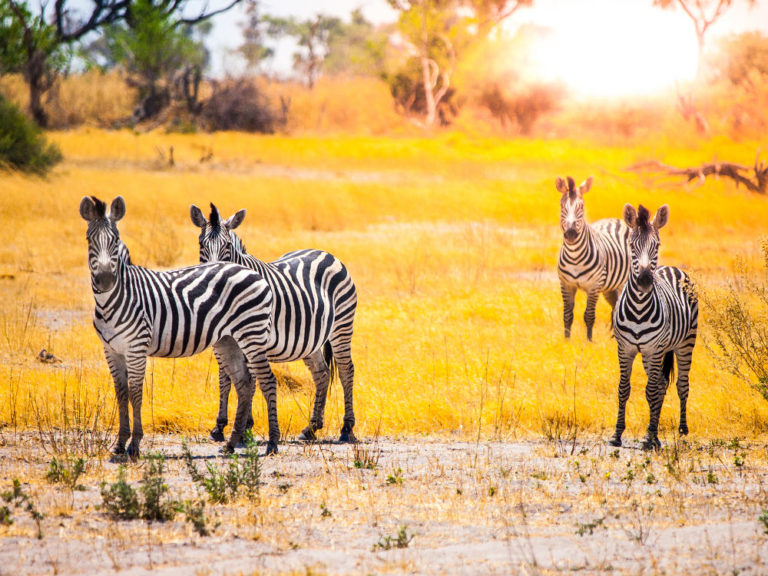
<point x="756" y="182"/>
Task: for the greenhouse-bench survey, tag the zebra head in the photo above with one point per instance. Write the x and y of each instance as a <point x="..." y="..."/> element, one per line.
<point x="216" y="242"/>
<point x="572" y="219"/>
<point x="644" y="243"/>
<point x="103" y="240"/>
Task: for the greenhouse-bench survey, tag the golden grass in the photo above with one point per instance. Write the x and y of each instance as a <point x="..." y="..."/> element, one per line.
<point x="452" y="242"/>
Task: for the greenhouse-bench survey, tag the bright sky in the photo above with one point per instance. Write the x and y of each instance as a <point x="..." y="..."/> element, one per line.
<point x="597" y="47"/>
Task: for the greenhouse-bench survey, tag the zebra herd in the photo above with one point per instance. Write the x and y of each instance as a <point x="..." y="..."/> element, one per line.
<point x="655" y="311"/>
<point x="302" y="307"/>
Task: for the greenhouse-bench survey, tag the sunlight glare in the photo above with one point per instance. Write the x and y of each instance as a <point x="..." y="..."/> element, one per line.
<point x="615" y="49"/>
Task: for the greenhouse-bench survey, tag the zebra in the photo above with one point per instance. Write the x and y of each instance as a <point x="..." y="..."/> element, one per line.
<point x="656" y="316"/>
<point x="593" y="257"/>
<point x="171" y="314"/>
<point x="312" y="320"/>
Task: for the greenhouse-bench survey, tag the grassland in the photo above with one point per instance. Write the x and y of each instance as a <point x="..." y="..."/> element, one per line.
<point x="482" y="427"/>
<point x="452" y="243"/>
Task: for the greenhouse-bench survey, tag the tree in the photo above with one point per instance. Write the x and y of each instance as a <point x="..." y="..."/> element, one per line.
<point x="314" y="37"/>
<point x="36" y="44"/>
<point x="160" y="50"/>
<point x="703" y="14"/>
<point x="437" y="30"/>
<point x="253" y="49"/>
<point x="358" y="48"/>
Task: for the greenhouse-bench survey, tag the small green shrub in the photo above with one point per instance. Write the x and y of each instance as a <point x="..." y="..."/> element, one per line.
<point x="402" y="540"/>
<point x="66" y="472"/>
<point x="23" y="145"/>
<point x="119" y="499"/>
<point x="17" y="498"/>
<point x="151" y="502"/>
<point x="224" y="485"/>
<point x="156" y="505"/>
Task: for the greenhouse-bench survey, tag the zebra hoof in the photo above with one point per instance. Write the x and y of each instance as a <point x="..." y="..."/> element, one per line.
<point x="307" y="435"/>
<point x="615" y="441"/>
<point x="271" y="448"/>
<point x="227" y="450"/>
<point x="118" y="456"/>
<point x="651" y="443"/>
<point x="133" y="452"/>
<point x="683" y="430"/>
<point x="347" y="437"/>
<point x="217" y="435"/>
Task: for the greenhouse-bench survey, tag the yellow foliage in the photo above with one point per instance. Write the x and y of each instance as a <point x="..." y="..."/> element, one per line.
<point x="452" y="242"/>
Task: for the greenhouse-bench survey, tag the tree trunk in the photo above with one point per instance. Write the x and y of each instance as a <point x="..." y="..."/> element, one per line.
<point x="37" y="78"/>
<point x="429" y="94"/>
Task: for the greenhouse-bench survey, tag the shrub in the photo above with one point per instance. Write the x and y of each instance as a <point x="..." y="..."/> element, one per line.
<point x="22" y="144"/>
<point x="739" y="328"/>
<point x="224" y="485"/>
<point x="239" y="105"/>
<point x="67" y="472"/>
<point x="122" y="501"/>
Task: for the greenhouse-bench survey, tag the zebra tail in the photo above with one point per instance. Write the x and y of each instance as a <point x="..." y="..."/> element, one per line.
<point x="667" y="367"/>
<point x="331" y="362"/>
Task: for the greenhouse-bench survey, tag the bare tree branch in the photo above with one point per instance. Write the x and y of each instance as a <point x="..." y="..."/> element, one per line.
<point x="758" y="184"/>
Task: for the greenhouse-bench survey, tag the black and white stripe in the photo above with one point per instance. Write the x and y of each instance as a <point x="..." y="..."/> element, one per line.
<point x="657" y="317"/>
<point x="593" y="257"/>
<point x="141" y="313"/>
<point x="315" y="302"/>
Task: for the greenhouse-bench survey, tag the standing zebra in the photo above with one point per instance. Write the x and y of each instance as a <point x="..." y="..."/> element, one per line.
<point x="315" y="301"/>
<point x="657" y="316"/>
<point x="141" y="313"/>
<point x="593" y="258"/>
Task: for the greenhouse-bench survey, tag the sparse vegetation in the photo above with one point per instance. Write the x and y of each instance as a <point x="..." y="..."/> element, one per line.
<point x="401" y="540"/>
<point x="151" y="502"/>
<point x="222" y="486"/>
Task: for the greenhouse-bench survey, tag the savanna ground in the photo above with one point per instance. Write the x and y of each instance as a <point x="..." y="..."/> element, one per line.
<point x="482" y="427"/>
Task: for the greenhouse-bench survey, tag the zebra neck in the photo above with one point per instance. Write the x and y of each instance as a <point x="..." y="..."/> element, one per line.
<point x="637" y="297"/>
<point x="240" y="255"/>
<point x="583" y="240"/>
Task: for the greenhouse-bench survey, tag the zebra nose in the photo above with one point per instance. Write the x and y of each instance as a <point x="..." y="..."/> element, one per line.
<point x="570" y="234"/>
<point x="104" y="280"/>
<point x="645" y="278"/>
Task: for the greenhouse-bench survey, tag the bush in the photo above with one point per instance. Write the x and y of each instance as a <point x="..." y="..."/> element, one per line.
<point x="239" y="105"/>
<point x="739" y="322"/>
<point x="22" y="144"/>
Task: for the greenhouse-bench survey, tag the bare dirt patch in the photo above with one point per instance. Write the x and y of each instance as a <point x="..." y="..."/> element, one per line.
<point x="417" y="505"/>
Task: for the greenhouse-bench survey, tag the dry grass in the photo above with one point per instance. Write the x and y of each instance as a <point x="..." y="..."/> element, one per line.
<point x="452" y="242"/>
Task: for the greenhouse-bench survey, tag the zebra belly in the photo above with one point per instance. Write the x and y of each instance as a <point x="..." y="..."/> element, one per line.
<point x="582" y="279"/>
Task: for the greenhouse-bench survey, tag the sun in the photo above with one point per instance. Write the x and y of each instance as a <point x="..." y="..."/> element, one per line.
<point x="610" y="49"/>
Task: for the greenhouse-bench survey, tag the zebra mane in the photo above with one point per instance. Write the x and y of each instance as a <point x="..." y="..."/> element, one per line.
<point x="572" y="191"/>
<point x="101" y="207"/>
<point x="643" y="218"/>
<point x="214" y="219"/>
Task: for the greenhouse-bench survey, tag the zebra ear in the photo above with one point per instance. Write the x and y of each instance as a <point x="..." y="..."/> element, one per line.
<point x="661" y="217"/>
<point x="630" y="215"/>
<point x="197" y="216"/>
<point x="235" y="221"/>
<point x="88" y="209"/>
<point x="117" y="209"/>
<point x="561" y="185"/>
<point x="585" y="186"/>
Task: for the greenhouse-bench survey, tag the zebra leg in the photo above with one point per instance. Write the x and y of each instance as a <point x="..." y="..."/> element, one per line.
<point x="120" y="377"/>
<point x="137" y="365"/>
<point x="655" y="391"/>
<point x="261" y="371"/>
<point x="342" y="354"/>
<point x="589" y="311"/>
<point x="612" y="296"/>
<point x="683" y="356"/>
<point x="569" y="298"/>
<point x="321" y="375"/>
<point x="225" y="384"/>
<point x="626" y="359"/>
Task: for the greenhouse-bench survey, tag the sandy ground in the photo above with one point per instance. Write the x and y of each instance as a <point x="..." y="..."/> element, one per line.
<point x="529" y="507"/>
